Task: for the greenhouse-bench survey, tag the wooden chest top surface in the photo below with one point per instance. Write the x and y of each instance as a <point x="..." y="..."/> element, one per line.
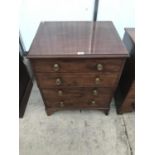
<point x="77" y="39"/>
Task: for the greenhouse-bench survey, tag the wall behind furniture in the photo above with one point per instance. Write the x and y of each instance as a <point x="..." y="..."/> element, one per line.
<point x="121" y="12"/>
<point x="32" y="12"/>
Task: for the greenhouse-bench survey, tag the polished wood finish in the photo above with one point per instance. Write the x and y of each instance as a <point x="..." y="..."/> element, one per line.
<point x="77" y="65"/>
<point x="81" y="97"/>
<point x="125" y="94"/>
<point x="67" y="39"/>
<point x="48" y="80"/>
<point x="76" y="92"/>
<point x="47" y="65"/>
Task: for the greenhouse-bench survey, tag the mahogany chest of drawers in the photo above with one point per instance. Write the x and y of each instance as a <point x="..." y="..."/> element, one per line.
<point x="125" y="94"/>
<point x="77" y="65"/>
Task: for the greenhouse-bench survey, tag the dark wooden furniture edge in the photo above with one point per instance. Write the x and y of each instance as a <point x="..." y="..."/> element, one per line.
<point x="119" y="98"/>
<point x="78" y="56"/>
<point x="126" y="30"/>
<point x="25" y="98"/>
<point x="120" y="95"/>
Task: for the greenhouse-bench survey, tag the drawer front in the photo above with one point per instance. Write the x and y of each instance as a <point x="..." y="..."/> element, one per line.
<point x="77" y="65"/>
<point x="77" y="102"/>
<point x="83" y="93"/>
<point x="49" y="80"/>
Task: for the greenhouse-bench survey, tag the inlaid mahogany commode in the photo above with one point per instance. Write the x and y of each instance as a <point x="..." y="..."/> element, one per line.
<point x="77" y="65"/>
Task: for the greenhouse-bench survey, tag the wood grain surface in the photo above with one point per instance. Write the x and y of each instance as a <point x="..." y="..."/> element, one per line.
<point x="83" y="92"/>
<point x="48" y="80"/>
<point x="65" y="57"/>
<point x="77" y="65"/>
<point x="67" y="39"/>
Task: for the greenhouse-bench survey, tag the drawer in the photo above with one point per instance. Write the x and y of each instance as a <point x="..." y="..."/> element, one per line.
<point x="50" y="80"/>
<point x="76" y="65"/>
<point x="83" y="93"/>
<point x="76" y="102"/>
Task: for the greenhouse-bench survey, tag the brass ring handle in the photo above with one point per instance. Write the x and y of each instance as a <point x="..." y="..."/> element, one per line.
<point x="58" y="81"/>
<point x="97" y="80"/>
<point x="61" y="104"/>
<point x="60" y="92"/>
<point x="93" y="102"/>
<point x="95" y="92"/>
<point x="99" y="67"/>
<point x="56" y="67"/>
